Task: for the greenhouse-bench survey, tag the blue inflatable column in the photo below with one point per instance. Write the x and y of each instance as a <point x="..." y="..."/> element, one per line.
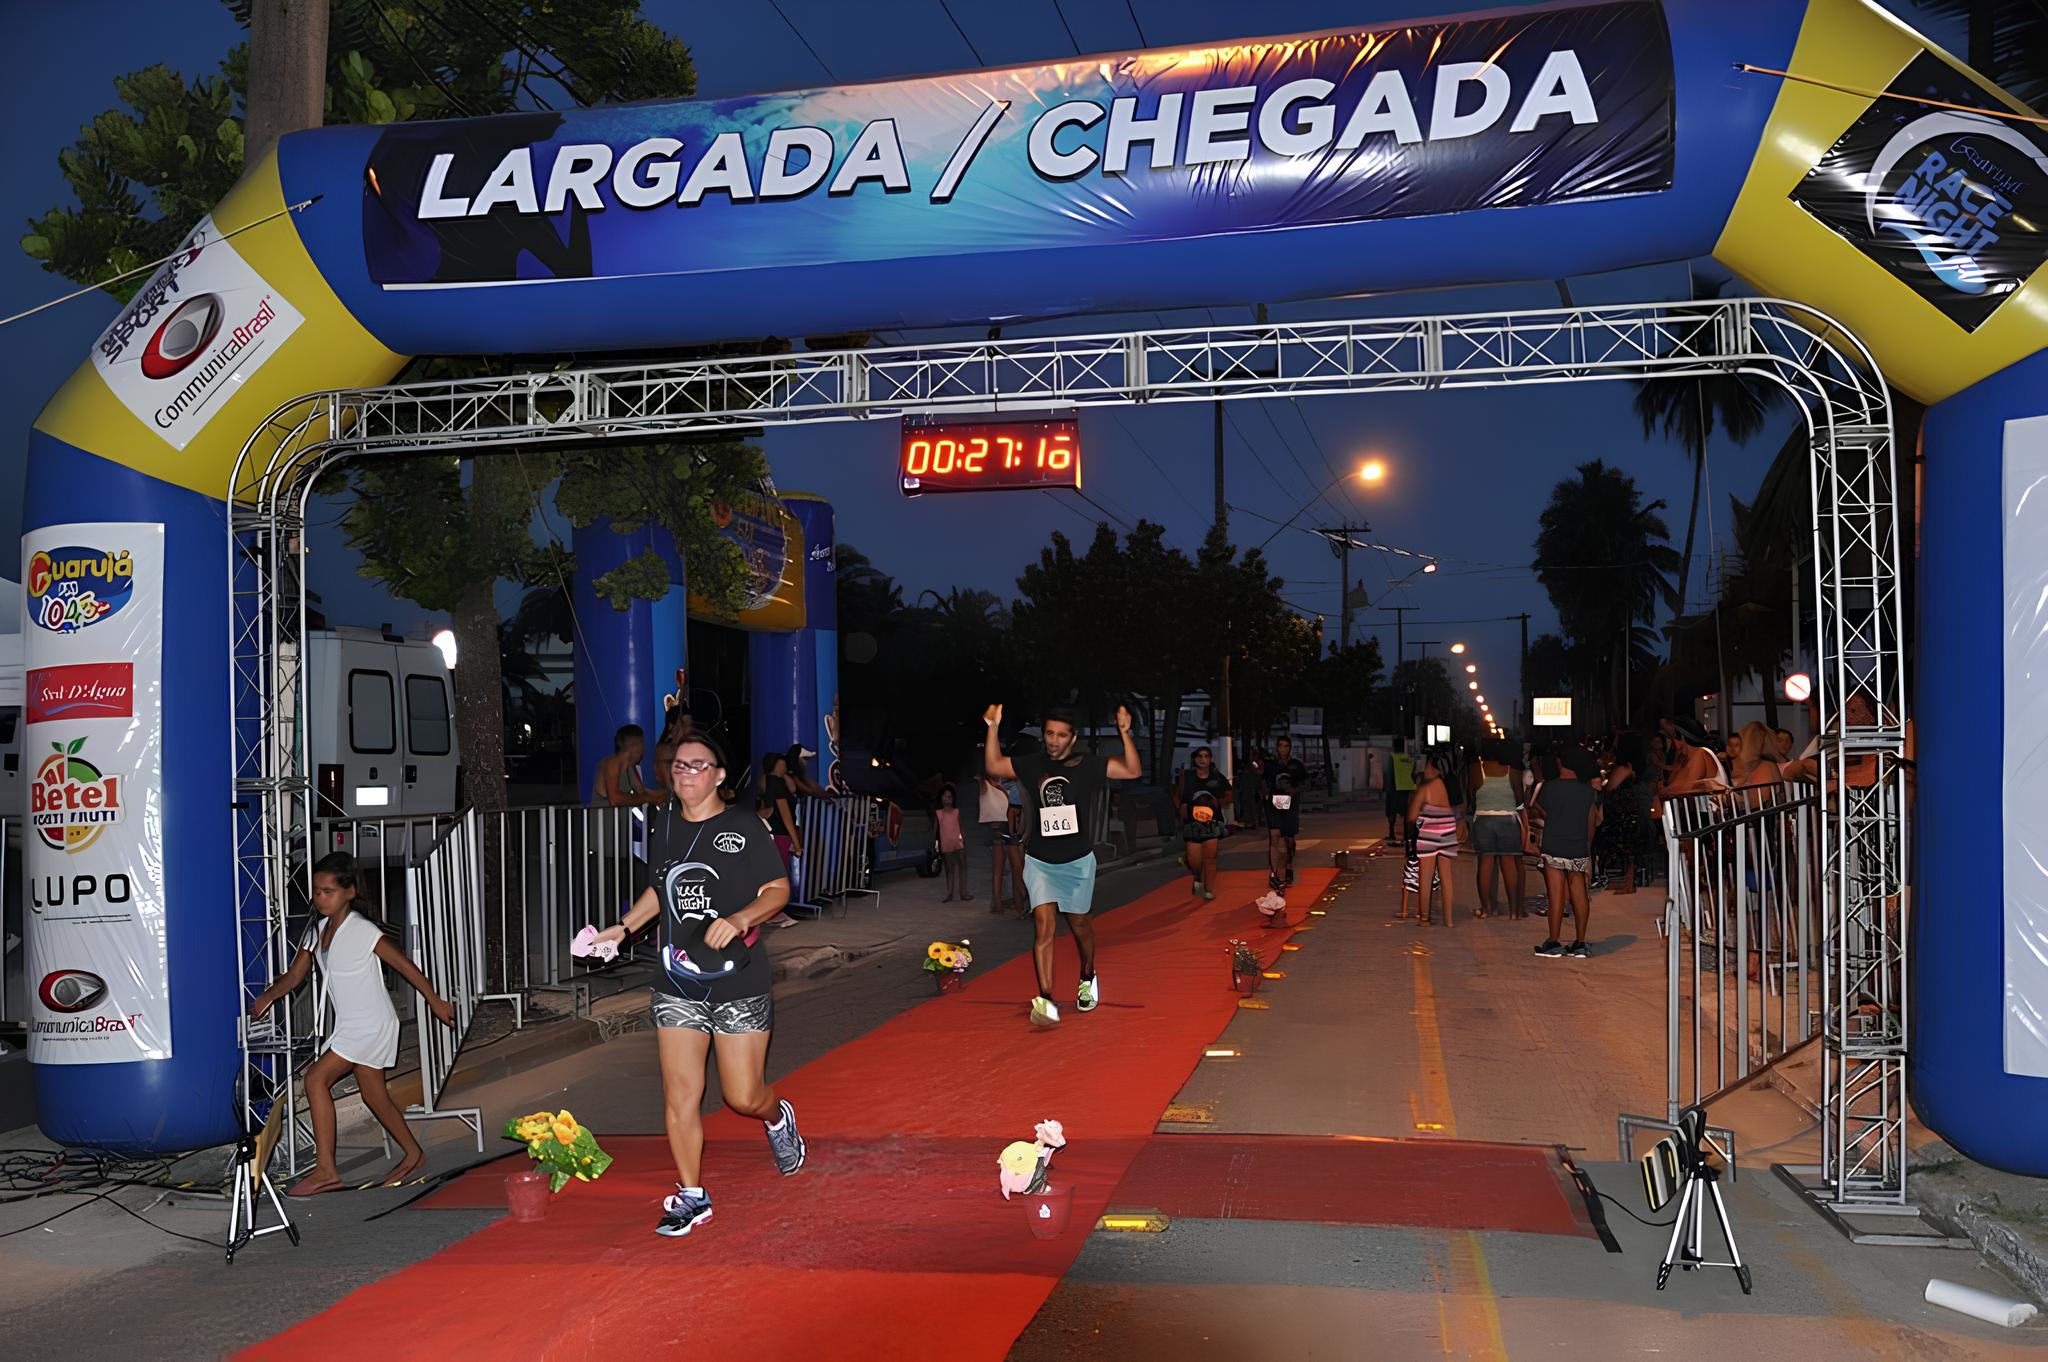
<point x="626" y="660"/>
<point x="1979" y="1038"/>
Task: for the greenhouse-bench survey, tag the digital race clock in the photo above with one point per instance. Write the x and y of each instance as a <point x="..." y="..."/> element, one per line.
<point x="989" y="456"/>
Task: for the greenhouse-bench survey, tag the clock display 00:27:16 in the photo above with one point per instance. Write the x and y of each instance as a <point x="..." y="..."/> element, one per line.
<point x="957" y="457"/>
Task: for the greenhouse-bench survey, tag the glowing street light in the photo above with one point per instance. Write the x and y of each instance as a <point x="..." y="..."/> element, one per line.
<point x="1471" y="685"/>
<point x="1429" y="567"/>
<point x="1372" y="471"/>
<point x="1457" y="647"/>
<point x="1471" y="668"/>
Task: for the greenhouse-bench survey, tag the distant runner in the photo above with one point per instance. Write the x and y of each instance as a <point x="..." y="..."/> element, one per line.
<point x="1286" y="780"/>
<point x="1060" y="785"/>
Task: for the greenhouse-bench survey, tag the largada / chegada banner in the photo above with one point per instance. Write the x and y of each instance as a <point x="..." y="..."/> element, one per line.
<point x="1424" y="119"/>
<point x="92" y="755"/>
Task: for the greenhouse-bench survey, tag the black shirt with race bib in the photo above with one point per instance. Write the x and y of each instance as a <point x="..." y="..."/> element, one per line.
<point x="1285" y="783"/>
<point x="1057" y="797"/>
<point x="701" y="872"/>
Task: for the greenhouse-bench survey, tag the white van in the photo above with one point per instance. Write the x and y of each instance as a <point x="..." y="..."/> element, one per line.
<point x="380" y="730"/>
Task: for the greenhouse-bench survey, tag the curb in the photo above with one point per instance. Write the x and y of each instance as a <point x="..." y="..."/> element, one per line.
<point x="1953" y="1189"/>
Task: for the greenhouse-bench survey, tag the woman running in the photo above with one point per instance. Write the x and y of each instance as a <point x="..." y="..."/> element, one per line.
<point x="1436" y="833"/>
<point x="714" y="876"/>
<point x="1202" y="794"/>
<point x="352" y="950"/>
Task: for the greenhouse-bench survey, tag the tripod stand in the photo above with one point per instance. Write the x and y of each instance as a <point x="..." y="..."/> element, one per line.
<point x="1698" y="1181"/>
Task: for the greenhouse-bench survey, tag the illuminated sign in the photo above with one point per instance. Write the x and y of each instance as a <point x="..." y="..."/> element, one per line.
<point x="989" y="456"/>
<point x="1552" y="711"/>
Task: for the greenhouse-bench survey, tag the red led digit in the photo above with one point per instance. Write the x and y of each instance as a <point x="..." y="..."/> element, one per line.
<point x="971" y="462"/>
<point x="943" y="456"/>
<point x="1062" y="454"/>
<point x="919" y="461"/>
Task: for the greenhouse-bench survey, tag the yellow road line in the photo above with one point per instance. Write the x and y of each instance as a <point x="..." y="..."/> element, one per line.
<point x="1465" y="1304"/>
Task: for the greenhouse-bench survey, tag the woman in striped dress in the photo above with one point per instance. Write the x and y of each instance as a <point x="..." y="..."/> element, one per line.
<point x="1436" y="832"/>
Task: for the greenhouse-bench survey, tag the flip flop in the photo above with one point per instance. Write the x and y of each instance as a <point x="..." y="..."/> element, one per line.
<point x="398" y="1176"/>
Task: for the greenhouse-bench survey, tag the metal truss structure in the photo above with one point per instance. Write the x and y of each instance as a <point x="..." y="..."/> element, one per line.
<point x="1832" y="378"/>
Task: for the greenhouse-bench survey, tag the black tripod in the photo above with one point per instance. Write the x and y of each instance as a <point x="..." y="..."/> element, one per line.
<point x="1698" y="1181"/>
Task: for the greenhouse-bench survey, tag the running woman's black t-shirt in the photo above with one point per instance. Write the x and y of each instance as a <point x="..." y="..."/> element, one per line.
<point x="701" y="872"/>
<point x="1192" y="786"/>
<point x="1057" y="797"/>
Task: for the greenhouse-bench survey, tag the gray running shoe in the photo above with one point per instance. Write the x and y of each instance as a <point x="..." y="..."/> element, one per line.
<point x="682" y="1212"/>
<point x="786" y="1142"/>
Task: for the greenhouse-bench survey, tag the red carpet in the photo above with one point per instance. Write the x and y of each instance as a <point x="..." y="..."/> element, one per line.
<point x="1449" y="1184"/>
<point x="894" y="1241"/>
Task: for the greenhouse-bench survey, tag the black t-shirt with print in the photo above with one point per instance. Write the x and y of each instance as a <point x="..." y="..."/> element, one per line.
<point x="1287" y="779"/>
<point x="701" y="872"/>
<point x="1193" y="787"/>
<point x="1057" y="798"/>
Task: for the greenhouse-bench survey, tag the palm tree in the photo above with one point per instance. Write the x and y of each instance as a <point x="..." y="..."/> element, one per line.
<point x="1605" y="560"/>
<point x="1688" y="408"/>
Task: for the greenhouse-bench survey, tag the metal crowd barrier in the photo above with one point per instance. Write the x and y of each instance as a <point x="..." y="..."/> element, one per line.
<point x="838" y="847"/>
<point x="445" y="939"/>
<point x="1742" y="937"/>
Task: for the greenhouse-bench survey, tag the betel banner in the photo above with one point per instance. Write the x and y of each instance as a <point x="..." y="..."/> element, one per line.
<point x="1564" y="105"/>
<point x="93" y="752"/>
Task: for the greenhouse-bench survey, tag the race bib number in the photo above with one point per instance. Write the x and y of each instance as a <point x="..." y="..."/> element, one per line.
<point x="1059" y="820"/>
<point x="1283" y="802"/>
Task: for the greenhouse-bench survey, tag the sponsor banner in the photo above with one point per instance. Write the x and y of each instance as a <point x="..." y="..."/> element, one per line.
<point x="1559" y="106"/>
<point x="1550" y="711"/>
<point x="203" y="323"/>
<point x="772" y="544"/>
<point x="93" y="745"/>
<point x="1953" y="204"/>
<point x="81" y="690"/>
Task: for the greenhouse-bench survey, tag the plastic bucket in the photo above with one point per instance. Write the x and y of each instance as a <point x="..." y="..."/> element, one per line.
<point x="527" y="1194"/>
<point x="1048" y="1211"/>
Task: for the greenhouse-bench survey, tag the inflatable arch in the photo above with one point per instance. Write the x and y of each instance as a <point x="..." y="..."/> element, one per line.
<point x="1519" y="144"/>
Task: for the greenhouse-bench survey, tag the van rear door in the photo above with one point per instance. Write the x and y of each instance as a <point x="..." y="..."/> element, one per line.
<point x="372" y="778"/>
<point x="429" y="772"/>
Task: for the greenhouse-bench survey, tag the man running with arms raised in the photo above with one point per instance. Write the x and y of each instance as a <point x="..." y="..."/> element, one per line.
<point x="1061" y="784"/>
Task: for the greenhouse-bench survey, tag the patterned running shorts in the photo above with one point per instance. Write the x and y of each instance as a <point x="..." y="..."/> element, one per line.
<point x="1570" y="865"/>
<point x="736" y="1018"/>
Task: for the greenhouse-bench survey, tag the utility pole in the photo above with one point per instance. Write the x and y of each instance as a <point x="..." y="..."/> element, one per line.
<point x="1400" y="614"/>
<point x="1340" y="540"/>
<point x="287" y="72"/>
<point x="1524" y="705"/>
<point x="1222" y="517"/>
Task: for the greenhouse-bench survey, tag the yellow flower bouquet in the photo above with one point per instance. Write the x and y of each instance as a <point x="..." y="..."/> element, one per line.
<point x="559" y="1146"/>
<point x="947" y="962"/>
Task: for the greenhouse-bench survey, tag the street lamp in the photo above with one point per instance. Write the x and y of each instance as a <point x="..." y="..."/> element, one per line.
<point x="1364" y="475"/>
<point x="1471" y="669"/>
<point x="1373" y="471"/>
<point x="1458" y="648"/>
<point x="1471" y="685"/>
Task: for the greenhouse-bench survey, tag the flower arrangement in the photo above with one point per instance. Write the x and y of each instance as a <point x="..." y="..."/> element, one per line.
<point x="1024" y="1165"/>
<point x="1270" y="905"/>
<point x="1245" y="966"/>
<point x="559" y="1146"/>
<point x="947" y="962"/>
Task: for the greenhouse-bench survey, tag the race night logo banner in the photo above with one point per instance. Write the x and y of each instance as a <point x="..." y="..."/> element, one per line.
<point x="1953" y="204"/>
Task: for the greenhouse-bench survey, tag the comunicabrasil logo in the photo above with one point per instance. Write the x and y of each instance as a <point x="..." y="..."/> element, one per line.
<point x="75" y="587"/>
<point x="184" y="335"/>
<point x="71" y="990"/>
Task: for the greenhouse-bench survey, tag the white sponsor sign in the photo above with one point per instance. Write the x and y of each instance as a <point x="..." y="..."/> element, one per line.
<point x="2024" y="752"/>
<point x="203" y="323"/>
<point x="99" y="990"/>
<point x="1551" y="711"/>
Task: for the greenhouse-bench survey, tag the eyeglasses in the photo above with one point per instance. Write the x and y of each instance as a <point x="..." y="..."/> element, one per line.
<point x="693" y="768"/>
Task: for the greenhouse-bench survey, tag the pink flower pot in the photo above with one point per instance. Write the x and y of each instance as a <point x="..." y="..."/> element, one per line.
<point x="1048" y="1211"/>
<point x="527" y="1194"/>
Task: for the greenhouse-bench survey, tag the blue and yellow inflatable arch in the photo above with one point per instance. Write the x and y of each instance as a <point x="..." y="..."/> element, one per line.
<point x="1532" y="143"/>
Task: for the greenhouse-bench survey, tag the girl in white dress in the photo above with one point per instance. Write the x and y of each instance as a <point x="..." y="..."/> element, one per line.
<point x="352" y="951"/>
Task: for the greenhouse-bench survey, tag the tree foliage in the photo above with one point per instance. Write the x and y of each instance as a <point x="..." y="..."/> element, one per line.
<point x="1605" y="560"/>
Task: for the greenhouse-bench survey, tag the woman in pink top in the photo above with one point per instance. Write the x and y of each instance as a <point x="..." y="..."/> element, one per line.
<point x="953" y="845"/>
